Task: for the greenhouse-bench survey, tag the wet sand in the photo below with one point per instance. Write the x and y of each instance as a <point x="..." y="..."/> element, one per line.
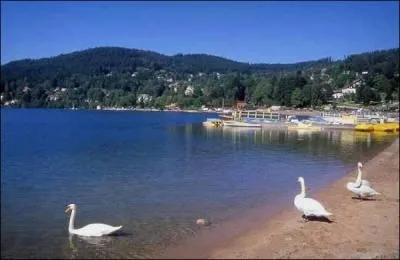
<point x="360" y="228"/>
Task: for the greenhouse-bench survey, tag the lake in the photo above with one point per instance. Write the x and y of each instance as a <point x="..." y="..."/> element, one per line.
<point x="154" y="173"/>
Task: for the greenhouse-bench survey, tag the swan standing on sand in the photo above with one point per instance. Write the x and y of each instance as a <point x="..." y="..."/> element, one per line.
<point x="91" y="230"/>
<point x="308" y="206"/>
<point x="359" y="181"/>
<point x="361" y="187"/>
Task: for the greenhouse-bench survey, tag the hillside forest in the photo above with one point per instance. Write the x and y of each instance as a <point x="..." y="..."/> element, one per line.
<point x="121" y="77"/>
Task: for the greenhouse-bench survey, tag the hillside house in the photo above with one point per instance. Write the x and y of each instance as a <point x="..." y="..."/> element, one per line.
<point x="337" y="95"/>
<point x="240" y="105"/>
<point x="350" y="90"/>
<point x="145" y="98"/>
<point x="189" y="91"/>
<point x="275" y="108"/>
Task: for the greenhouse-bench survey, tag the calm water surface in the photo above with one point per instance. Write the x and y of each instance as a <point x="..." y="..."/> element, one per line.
<point x="154" y="173"/>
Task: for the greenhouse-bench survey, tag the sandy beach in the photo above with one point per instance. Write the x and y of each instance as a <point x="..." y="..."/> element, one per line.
<point x="359" y="228"/>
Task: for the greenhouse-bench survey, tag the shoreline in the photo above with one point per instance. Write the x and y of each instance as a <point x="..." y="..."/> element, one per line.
<point x="360" y="229"/>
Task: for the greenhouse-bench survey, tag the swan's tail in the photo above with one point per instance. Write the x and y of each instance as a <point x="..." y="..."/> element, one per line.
<point x="328" y="213"/>
<point x="116" y="229"/>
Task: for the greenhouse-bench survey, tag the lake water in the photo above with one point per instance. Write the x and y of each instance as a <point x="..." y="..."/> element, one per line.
<point x="154" y="173"/>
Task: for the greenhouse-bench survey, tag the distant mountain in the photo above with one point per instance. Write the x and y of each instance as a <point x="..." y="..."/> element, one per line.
<point x="114" y="59"/>
<point x="113" y="76"/>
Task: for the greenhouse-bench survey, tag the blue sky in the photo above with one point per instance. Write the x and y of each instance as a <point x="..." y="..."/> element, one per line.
<point x="268" y="32"/>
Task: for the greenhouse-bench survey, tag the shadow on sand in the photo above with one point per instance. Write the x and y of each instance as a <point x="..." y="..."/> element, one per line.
<point x="365" y="199"/>
<point x="319" y="219"/>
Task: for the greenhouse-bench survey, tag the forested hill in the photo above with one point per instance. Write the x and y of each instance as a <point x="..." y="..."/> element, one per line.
<point x="113" y="76"/>
<point x="114" y="59"/>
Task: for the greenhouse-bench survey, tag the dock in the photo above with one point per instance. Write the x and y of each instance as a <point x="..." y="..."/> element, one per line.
<point x="258" y="115"/>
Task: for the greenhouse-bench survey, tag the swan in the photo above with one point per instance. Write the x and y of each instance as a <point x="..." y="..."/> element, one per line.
<point x="91" y="230"/>
<point x="361" y="187"/>
<point x="359" y="181"/>
<point x="308" y="206"/>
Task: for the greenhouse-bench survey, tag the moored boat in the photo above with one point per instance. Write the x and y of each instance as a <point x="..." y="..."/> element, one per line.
<point x="365" y="127"/>
<point x="386" y="127"/>
<point x="304" y="126"/>
<point x="235" y="123"/>
<point x="213" y="122"/>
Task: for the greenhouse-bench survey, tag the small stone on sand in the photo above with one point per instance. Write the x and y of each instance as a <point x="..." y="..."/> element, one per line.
<point x="202" y="221"/>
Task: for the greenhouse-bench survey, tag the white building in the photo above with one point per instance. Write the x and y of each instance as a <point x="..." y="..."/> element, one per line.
<point x="189" y="91"/>
<point x="337" y="95"/>
<point x="145" y="98"/>
<point x="349" y="90"/>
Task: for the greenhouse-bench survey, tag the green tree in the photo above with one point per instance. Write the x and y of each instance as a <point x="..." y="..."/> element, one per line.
<point x="382" y="84"/>
<point x="297" y="98"/>
<point x="128" y="100"/>
<point x="96" y="94"/>
<point x="39" y="97"/>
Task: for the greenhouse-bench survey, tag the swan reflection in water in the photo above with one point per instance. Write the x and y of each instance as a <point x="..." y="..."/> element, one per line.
<point x="75" y="243"/>
<point x="96" y="241"/>
<point x="103" y="241"/>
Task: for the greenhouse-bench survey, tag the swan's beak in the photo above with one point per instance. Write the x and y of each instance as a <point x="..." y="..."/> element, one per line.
<point x="67" y="209"/>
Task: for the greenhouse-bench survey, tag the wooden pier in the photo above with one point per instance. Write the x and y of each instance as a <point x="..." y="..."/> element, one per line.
<point x="254" y="114"/>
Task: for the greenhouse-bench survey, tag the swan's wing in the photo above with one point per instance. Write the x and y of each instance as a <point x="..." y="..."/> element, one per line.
<point x="111" y="230"/>
<point x="365" y="183"/>
<point x="362" y="183"/>
<point x="365" y="190"/>
<point x="97" y="229"/>
<point x="313" y="207"/>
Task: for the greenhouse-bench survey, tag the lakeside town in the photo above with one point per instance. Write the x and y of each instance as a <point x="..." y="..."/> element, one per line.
<point x="200" y="130"/>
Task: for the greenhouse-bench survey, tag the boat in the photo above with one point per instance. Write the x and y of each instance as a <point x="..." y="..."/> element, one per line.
<point x="213" y="122"/>
<point x="386" y="127"/>
<point x="365" y="127"/>
<point x="235" y="123"/>
<point x="226" y="117"/>
<point x="379" y="127"/>
<point x="395" y="125"/>
<point x="304" y="126"/>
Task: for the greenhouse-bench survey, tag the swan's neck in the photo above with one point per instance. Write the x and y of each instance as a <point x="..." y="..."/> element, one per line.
<point x="303" y="189"/>
<point x="72" y="220"/>
<point x="359" y="175"/>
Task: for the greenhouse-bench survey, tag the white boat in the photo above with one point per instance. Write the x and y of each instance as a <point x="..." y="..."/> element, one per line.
<point x="304" y="126"/>
<point x="213" y="122"/>
<point x="235" y="123"/>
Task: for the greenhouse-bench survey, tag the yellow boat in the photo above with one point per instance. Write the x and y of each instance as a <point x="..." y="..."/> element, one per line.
<point x="395" y="125"/>
<point x="380" y="127"/>
<point x="366" y="127"/>
<point x="386" y="127"/>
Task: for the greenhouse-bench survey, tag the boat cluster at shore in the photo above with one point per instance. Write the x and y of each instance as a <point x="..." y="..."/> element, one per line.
<point x="257" y="119"/>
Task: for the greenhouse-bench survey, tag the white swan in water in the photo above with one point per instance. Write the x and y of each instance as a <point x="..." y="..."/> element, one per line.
<point x="308" y="206"/>
<point x="361" y="187"/>
<point x="91" y="230"/>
